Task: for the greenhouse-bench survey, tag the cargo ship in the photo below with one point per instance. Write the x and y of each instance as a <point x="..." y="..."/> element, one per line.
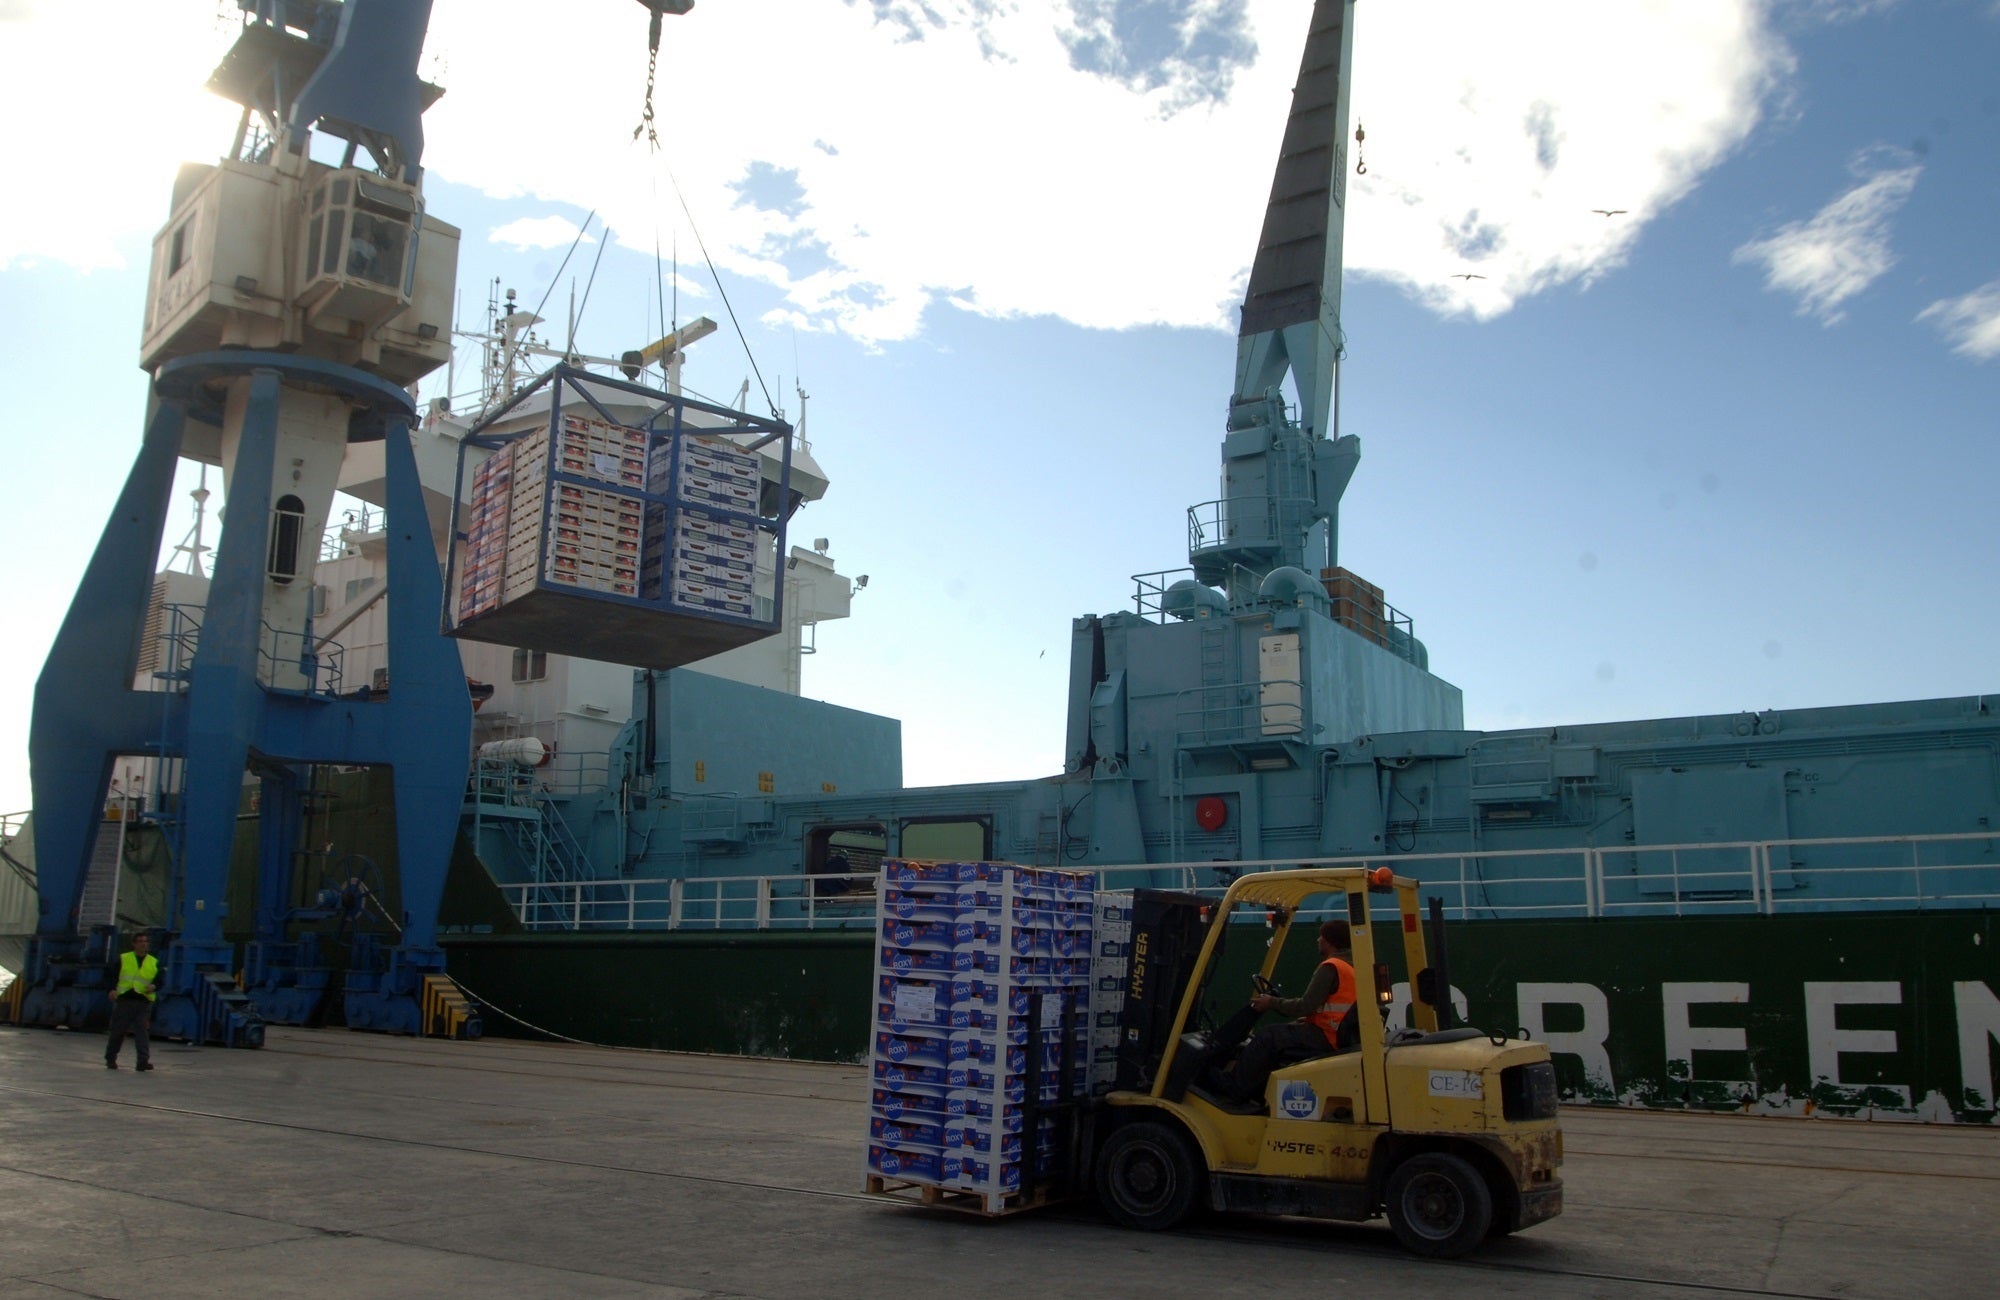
<point x="1769" y="912"/>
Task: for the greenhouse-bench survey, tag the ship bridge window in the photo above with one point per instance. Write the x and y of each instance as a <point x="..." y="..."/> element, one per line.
<point x="854" y="851"/>
<point x="947" y="839"/>
<point x="530" y="665"/>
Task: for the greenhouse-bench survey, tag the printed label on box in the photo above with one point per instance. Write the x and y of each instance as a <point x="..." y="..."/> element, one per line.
<point x="916" y="1003"/>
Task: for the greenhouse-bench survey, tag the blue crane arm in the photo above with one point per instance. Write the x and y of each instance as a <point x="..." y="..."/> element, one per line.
<point x="366" y="90"/>
<point x="1291" y="309"/>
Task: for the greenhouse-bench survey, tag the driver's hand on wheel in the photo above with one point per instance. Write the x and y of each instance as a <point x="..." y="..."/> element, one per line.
<point x="1262" y="1001"/>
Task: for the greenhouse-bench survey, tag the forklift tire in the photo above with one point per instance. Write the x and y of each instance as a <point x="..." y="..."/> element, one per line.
<point x="1147" y="1177"/>
<point x="1439" y="1205"/>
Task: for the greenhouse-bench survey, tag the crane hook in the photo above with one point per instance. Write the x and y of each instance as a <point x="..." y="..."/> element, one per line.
<point x="1360" y="163"/>
<point x="659" y="9"/>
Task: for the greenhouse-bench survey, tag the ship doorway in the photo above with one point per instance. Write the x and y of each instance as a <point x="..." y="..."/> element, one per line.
<point x="845" y="859"/>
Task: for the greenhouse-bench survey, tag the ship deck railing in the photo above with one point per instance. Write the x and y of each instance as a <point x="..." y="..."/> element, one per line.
<point x="1749" y="877"/>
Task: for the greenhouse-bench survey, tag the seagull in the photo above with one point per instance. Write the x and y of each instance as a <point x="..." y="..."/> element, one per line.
<point x="1467" y="275"/>
<point x="1609" y="212"/>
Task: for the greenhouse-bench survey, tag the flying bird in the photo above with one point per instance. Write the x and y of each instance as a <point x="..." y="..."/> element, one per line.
<point x="1609" y="212"/>
<point x="1467" y="275"/>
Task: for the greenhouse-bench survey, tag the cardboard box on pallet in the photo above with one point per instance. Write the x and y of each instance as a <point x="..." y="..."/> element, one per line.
<point x="701" y="454"/>
<point x="691" y="522"/>
<point x="949" y="1009"/>
<point x="917" y="1166"/>
<point x="905" y="962"/>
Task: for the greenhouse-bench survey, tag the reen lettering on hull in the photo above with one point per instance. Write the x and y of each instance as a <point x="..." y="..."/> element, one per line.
<point x="1863" y="1015"/>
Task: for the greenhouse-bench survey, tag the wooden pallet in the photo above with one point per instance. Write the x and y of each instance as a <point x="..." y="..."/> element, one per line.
<point x="957" y="1199"/>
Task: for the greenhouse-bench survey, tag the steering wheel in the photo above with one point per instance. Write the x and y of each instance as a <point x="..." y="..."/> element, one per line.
<point x="1264" y="987"/>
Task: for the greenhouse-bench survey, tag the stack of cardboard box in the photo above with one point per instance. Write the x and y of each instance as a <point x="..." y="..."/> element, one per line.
<point x="980" y="967"/>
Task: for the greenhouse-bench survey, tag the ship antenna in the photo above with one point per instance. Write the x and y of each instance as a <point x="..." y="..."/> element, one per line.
<point x="193" y="547"/>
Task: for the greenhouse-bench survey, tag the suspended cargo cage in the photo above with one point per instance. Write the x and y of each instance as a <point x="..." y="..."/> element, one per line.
<point x="606" y="520"/>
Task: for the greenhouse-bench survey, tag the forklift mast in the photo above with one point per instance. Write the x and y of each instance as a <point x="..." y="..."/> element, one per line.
<point x="1167" y="933"/>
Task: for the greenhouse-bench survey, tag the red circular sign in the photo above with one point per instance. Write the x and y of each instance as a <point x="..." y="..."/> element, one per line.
<point x="1210" y="813"/>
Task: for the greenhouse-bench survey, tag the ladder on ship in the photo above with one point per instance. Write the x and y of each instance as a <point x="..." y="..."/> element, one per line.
<point x="98" y="903"/>
<point x="510" y="799"/>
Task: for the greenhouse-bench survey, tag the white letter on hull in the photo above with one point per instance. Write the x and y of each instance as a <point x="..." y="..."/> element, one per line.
<point x="1978" y="1021"/>
<point x="1684" y="1039"/>
<point x="1586" y="1044"/>
<point x="1825" y="1040"/>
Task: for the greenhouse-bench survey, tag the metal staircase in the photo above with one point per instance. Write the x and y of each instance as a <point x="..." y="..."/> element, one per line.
<point x="551" y="850"/>
<point x="98" y="904"/>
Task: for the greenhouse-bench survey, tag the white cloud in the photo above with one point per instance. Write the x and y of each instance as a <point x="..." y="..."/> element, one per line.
<point x="97" y="127"/>
<point x="1841" y="11"/>
<point x="953" y="151"/>
<point x="1971" y="324"/>
<point x="1490" y="146"/>
<point x="1844" y="247"/>
<point x="539" y="232"/>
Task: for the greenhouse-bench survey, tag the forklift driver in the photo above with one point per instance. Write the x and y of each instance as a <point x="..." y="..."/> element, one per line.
<point x="1327" y="1001"/>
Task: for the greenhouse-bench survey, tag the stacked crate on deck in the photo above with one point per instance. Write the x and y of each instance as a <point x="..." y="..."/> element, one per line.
<point x="701" y="544"/>
<point x="980" y="966"/>
<point x="593" y="533"/>
<point x="486" y="540"/>
<point x="1356" y="603"/>
<point x="529" y="528"/>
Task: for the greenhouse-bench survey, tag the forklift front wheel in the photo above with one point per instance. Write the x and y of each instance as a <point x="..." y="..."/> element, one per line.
<point x="1439" y="1205"/>
<point x="1147" y="1177"/>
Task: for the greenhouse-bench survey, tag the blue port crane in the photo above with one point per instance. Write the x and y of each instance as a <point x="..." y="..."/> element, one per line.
<point x="292" y="304"/>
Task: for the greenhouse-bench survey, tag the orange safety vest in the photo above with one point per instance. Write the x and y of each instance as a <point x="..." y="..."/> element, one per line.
<point x="1338" y="1003"/>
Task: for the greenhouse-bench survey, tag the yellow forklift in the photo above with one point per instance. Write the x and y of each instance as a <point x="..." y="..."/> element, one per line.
<point x="1450" y="1132"/>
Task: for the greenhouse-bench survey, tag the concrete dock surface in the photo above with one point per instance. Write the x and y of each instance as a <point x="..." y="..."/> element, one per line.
<point x="347" y="1164"/>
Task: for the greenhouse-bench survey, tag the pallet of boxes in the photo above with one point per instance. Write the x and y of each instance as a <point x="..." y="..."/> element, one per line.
<point x="616" y="543"/>
<point x="978" y="1062"/>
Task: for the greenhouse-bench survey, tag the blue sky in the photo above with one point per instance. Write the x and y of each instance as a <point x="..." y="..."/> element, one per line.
<point x="1732" y="449"/>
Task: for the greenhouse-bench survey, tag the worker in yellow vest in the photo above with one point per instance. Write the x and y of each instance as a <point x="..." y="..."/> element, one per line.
<point x="132" y="1003"/>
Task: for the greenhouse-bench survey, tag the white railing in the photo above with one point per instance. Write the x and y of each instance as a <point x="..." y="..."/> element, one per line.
<point x="1747" y="877"/>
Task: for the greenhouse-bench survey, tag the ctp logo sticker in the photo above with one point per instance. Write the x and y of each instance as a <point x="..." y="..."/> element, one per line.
<point x="1297" y="1100"/>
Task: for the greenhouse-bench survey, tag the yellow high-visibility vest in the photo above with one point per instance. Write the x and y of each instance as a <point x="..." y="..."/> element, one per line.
<point x="135" y="976"/>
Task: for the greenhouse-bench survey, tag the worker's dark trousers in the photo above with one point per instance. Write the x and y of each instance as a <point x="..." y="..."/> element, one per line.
<point x="132" y="1016"/>
<point x="1271" y="1047"/>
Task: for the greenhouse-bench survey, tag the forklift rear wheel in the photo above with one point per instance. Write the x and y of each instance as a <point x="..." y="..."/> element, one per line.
<point x="1147" y="1177"/>
<point x="1439" y="1205"/>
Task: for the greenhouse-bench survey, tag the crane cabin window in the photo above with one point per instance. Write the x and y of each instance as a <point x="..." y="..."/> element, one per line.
<point x="378" y="242"/>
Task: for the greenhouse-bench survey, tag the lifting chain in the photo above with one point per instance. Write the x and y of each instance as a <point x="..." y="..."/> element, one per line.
<point x="645" y="126"/>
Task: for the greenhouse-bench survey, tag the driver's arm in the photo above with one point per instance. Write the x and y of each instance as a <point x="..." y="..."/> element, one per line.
<point x="1317" y="992"/>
